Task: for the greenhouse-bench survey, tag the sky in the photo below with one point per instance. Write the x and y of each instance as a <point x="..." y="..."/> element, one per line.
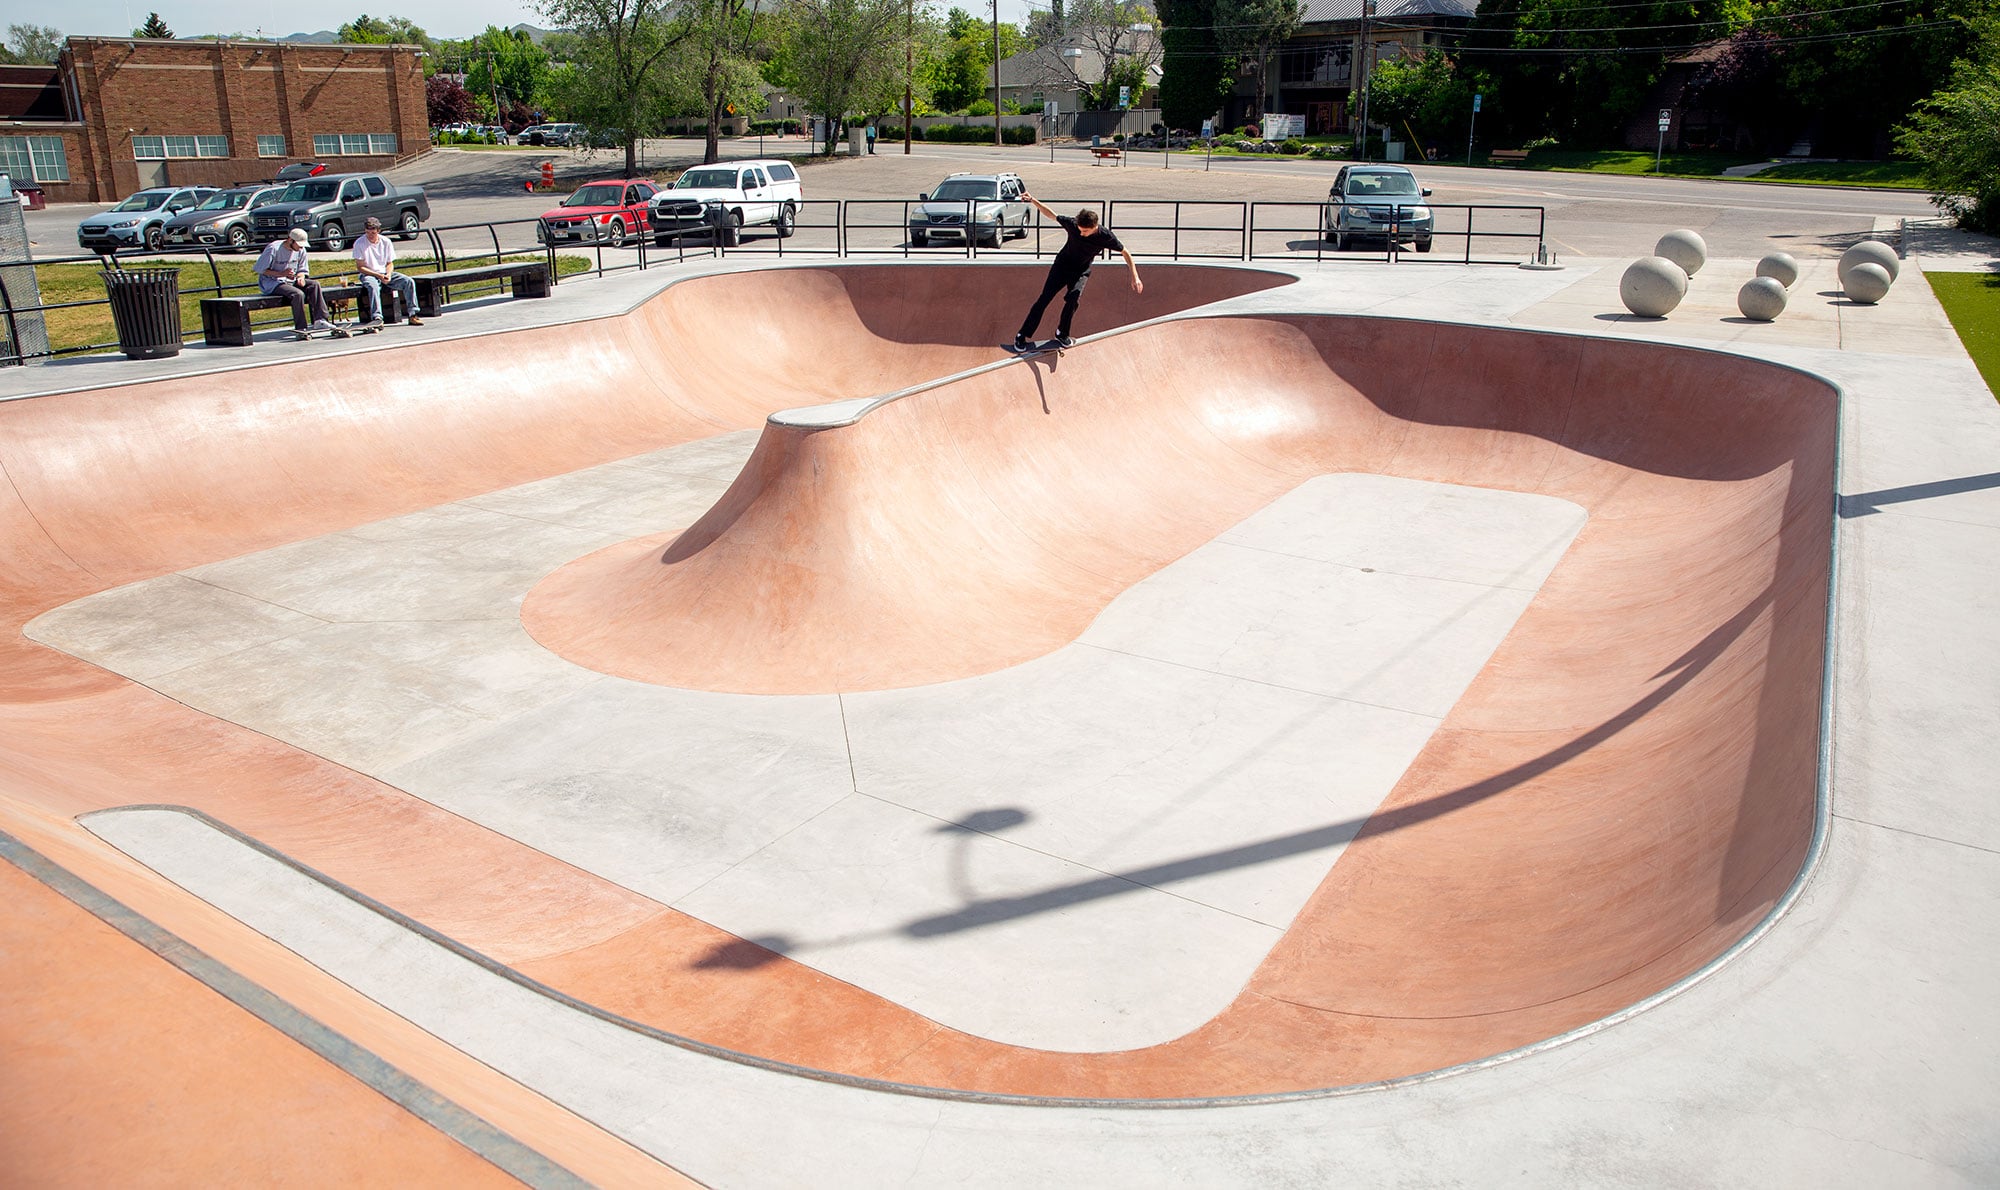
<point x="439" y="18"/>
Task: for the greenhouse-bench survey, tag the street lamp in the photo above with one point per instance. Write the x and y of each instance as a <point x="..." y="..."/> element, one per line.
<point x="1367" y="71"/>
<point x="996" y="73"/>
<point x="910" y="72"/>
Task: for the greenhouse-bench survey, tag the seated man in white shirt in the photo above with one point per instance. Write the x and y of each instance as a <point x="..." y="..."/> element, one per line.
<point x="281" y="270"/>
<point x="376" y="258"/>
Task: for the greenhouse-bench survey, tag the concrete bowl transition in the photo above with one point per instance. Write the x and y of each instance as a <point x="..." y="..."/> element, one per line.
<point x="1627" y="789"/>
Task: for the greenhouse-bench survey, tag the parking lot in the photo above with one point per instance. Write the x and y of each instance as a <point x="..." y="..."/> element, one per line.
<point x="1586" y="215"/>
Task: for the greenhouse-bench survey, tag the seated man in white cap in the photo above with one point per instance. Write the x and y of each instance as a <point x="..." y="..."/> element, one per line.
<point x="282" y="270"/>
<point x="375" y="257"/>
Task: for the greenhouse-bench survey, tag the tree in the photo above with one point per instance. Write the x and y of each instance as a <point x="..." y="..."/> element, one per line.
<point x="1112" y="54"/>
<point x="1251" y="29"/>
<point x="503" y="68"/>
<point x="1955" y="135"/>
<point x="154" y="27"/>
<point x="616" y="77"/>
<point x="447" y="101"/>
<point x="33" y="44"/>
<point x="839" y="56"/>
<point x="963" y="70"/>
<point x="719" y="68"/>
<point x="1422" y="92"/>
<point x="367" y="30"/>
<point x="1198" y="74"/>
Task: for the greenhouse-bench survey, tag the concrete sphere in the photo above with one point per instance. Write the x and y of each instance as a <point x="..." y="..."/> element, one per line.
<point x="1870" y="252"/>
<point x="1761" y="299"/>
<point x="1685" y="248"/>
<point x="1867" y="283"/>
<point x="1652" y="286"/>
<point x="1780" y="267"/>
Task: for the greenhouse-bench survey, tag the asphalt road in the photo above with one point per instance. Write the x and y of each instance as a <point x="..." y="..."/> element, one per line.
<point x="1589" y="215"/>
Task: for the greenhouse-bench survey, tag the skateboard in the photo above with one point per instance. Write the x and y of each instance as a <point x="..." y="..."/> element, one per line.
<point x="332" y="332"/>
<point x="1034" y="349"/>
<point x="368" y="328"/>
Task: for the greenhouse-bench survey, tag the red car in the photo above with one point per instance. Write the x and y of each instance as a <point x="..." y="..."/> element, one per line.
<point x="610" y="210"/>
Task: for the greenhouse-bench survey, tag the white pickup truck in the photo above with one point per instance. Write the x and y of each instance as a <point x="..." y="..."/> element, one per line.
<point x="747" y="193"/>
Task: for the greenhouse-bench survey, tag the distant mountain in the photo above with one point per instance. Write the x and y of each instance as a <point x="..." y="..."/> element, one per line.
<point x="534" y="34"/>
<point x="323" y="37"/>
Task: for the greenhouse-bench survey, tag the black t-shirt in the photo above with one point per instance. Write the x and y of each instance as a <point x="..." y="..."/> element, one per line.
<point x="1080" y="250"/>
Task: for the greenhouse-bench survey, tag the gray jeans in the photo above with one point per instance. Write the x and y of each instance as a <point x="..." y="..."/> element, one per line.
<point x="305" y="293"/>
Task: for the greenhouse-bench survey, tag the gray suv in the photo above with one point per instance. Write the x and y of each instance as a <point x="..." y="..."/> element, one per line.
<point x="140" y="219"/>
<point x="983" y="207"/>
<point x="222" y="220"/>
<point x="1377" y="202"/>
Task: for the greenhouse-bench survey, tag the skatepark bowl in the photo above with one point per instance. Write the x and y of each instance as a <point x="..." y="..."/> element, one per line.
<point x="560" y="646"/>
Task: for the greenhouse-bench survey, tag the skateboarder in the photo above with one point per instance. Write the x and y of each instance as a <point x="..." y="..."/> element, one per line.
<point x="1070" y="270"/>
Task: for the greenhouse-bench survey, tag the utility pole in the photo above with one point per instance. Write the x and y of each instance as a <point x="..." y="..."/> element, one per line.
<point x="493" y="90"/>
<point x="996" y="73"/>
<point x="909" y="72"/>
<point x="1367" y="75"/>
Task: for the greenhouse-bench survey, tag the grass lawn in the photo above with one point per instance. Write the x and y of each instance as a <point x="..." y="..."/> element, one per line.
<point x="1633" y="161"/>
<point x="1972" y="302"/>
<point x="84" y="325"/>
<point x="1903" y="175"/>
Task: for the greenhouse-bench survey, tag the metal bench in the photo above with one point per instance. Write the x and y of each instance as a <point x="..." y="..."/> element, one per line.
<point x="526" y="278"/>
<point x="1507" y="156"/>
<point x="225" y="321"/>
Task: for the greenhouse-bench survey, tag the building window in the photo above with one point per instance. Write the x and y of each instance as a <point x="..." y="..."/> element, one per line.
<point x="40" y="158"/>
<point x="270" y="146"/>
<point x="159" y="148"/>
<point x="354" y="144"/>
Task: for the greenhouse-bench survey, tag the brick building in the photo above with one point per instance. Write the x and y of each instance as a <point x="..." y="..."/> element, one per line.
<point x="117" y="114"/>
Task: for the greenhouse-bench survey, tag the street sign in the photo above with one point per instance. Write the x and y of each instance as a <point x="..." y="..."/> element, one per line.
<point x="1208" y="128"/>
<point x="1476" y="97"/>
<point x="1665" y="122"/>
<point x="1124" y="97"/>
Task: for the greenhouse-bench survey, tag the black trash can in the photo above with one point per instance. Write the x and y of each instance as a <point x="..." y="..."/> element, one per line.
<point x="146" y="305"/>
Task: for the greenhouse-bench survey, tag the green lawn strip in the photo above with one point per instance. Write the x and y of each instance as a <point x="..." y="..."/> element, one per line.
<point x="1901" y="175"/>
<point x="84" y="325"/>
<point x="1972" y="302"/>
<point x="1633" y="161"/>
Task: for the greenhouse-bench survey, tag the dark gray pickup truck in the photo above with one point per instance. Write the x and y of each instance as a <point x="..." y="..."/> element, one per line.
<point x="332" y="208"/>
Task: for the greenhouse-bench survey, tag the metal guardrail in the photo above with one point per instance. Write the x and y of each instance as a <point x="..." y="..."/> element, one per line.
<point x="1397" y="233"/>
<point x="1154" y="229"/>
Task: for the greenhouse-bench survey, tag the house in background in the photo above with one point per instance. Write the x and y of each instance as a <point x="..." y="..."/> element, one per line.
<point x="1059" y="72"/>
<point x="118" y="114"/>
<point x="1315" y="69"/>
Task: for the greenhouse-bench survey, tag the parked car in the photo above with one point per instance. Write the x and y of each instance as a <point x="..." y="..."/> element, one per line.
<point x="982" y="206"/>
<point x="1378" y="202"/>
<point x="140" y="219"/>
<point x="300" y="169"/>
<point x="550" y="134"/>
<point x="609" y="210"/>
<point x="222" y="219"/>
<point x="333" y="207"/>
<point x="747" y="193"/>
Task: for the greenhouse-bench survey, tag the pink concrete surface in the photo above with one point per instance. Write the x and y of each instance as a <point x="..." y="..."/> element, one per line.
<point x="1626" y="789"/>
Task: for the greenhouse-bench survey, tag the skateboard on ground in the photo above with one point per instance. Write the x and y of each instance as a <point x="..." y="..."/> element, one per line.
<point x="332" y="332"/>
<point x="1034" y="349"/>
<point x="368" y="328"/>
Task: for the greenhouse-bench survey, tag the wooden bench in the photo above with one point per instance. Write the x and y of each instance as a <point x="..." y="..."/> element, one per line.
<point x="1507" y="156"/>
<point x="527" y="278"/>
<point x="225" y="321"/>
<point x="1102" y="153"/>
